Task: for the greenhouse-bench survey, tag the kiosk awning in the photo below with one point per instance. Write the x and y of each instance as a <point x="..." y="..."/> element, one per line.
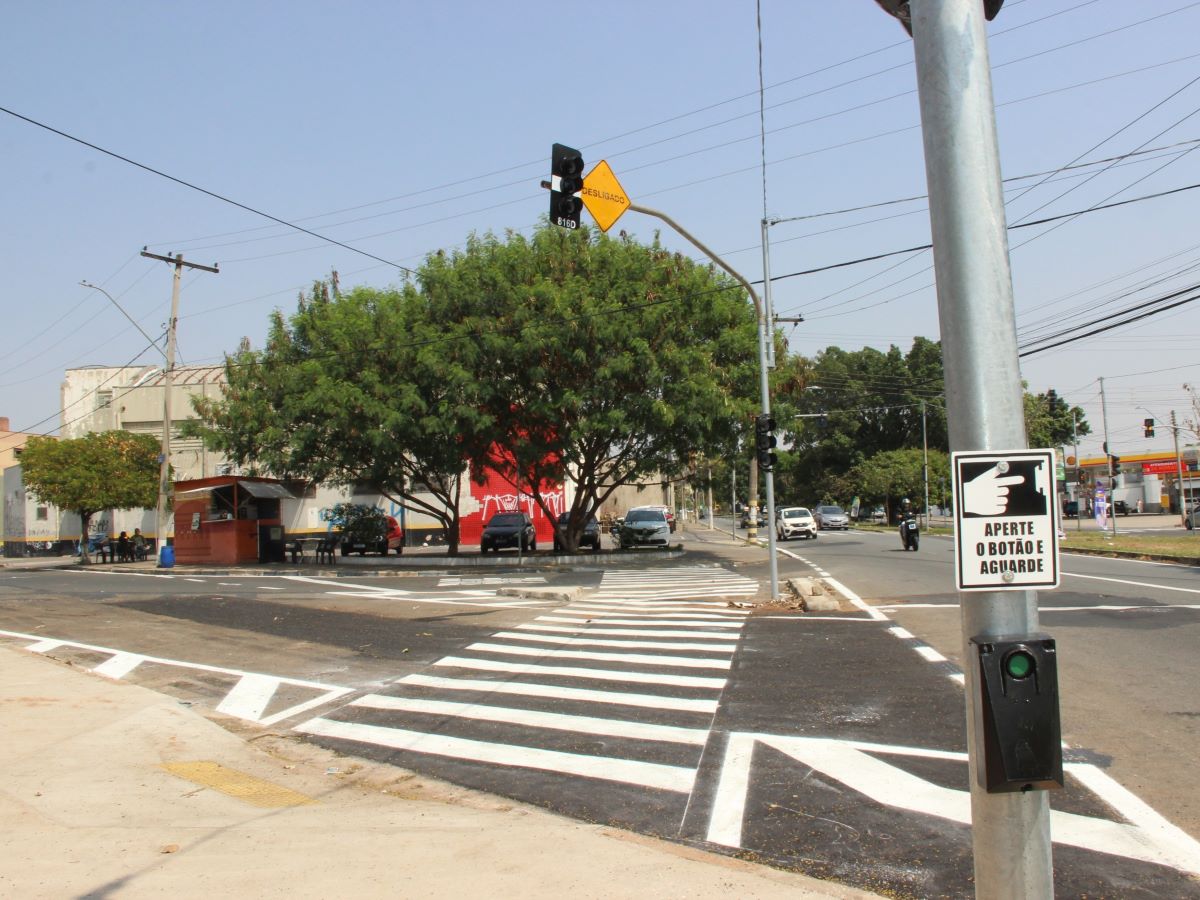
<point x="264" y="490"/>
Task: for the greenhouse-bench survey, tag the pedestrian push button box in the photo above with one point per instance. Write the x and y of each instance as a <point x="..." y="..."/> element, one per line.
<point x="1018" y="727"/>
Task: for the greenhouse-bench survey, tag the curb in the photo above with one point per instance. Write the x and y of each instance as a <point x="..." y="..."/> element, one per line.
<point x="1130" y="554"/>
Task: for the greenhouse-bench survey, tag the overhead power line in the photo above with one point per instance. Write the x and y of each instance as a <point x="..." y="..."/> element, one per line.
<point x="196" y="187"/>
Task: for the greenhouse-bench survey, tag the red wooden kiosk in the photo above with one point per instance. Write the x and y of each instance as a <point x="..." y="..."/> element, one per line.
<point x="229" y="519"/>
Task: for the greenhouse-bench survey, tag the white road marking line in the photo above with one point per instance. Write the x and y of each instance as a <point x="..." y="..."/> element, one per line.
<point x="856" y="600"/>
<point x="554" y="721"/>
<point x="553" y="691"/>
<point x="929" y="653"/>
<point x="645" y="659"/>
<point x="719" y="609"/>
<point x="580" y="609"/>
<point x="672" y="623"/>
<point x="1160" y="587"/>
<point x="199" y="580"/>
<point x="229" y="584"/>
<point x="119" y="665"/>
<point x="267" y="587"/>
<point x="594" y="642"/>
<point x="249" y="697"/>
<point x="901" y="632"/>
<point x="1148" y="838"/>
<point x="651" y="775"/>
<point x="632" y="632"/>
<point x="43" y="646"/>
<point x="611" y="618"/>
<point x="329" y="691"/>
<point x="497" y="665"/>
<point x="1050" y="609"/>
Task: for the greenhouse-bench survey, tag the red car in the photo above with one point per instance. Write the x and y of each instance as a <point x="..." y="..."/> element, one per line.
<point x="395" y="536"/>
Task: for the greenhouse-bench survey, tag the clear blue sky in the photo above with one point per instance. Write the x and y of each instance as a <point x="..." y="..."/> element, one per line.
<point x="398" y="128"/>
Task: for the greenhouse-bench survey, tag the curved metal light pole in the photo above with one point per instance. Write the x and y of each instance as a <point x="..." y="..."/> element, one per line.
<point x="764" y="387"/>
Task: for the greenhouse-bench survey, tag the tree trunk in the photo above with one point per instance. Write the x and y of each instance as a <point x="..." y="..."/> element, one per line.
<point x="85" y="520"/>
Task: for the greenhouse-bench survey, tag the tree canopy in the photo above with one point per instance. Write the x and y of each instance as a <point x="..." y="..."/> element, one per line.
<point x="561" y="356"/>
<point x="99" y="471"/>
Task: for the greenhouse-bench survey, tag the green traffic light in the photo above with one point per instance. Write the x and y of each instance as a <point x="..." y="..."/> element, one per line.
<point x="1019" y="664"/>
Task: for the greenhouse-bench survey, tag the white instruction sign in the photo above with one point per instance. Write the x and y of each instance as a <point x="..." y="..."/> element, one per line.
<point x="1005" y="520"/>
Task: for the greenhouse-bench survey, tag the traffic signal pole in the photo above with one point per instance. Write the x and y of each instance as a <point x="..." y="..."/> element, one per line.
<point x="764" y="387"/>
<point x="1010" y="831"/>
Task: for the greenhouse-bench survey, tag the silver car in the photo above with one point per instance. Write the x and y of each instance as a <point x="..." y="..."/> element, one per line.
<point x="645" y="526"/>
<point x="829" y="517"/>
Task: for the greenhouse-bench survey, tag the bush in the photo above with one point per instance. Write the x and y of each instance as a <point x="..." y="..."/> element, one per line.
<point x="359" y="523"/>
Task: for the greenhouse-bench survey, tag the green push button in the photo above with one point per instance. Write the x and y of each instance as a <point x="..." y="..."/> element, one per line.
<point x="1019" y="664"/>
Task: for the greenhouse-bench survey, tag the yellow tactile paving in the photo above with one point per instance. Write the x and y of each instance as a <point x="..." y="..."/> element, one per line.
<point x="245" y="787"/>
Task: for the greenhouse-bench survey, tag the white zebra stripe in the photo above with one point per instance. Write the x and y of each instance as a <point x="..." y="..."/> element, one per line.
<point x="555" y="721"/>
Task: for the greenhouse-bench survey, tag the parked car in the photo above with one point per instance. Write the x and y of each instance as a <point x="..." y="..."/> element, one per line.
<point x="831" y="517"/>
<point x="1193" y="518"/>
<point x="761" y="517"/>
<point x="666" y="511"/>
<point x="589" y="538"/>
<point x="1071" y="509"/>
<point x="508" y="529"/>
<point x="1120" y="507"/>
<point x="366" y="535"/>
<point x="794" y="521"/>
<point x="644" y="526"/>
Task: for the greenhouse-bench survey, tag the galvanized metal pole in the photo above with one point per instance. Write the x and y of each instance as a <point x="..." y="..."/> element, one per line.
<point x="1010" y="831"/>
<point x="770" y="308"/>
<point x="925" y="447"/>
<point x="1112" y="477"/>
<point x="763" y="385"/>
<point x="1079" y="492"/>
<point x="1183" y="510"/>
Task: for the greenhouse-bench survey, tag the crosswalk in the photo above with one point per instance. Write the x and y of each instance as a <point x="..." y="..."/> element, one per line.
<point x="620" y="687"/>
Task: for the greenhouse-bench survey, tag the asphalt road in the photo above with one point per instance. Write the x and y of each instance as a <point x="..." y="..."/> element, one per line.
<point x="654" y="700"/>
<point x="1126" y="631"/>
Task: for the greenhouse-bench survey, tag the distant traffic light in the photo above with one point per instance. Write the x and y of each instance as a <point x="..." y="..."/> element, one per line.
<point x="566" y="181"/>
<point x="764" y="441"/>
<point x="1148" y="425"/>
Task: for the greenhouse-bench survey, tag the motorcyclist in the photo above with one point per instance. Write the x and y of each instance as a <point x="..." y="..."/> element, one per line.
<point x="908" y="525"/>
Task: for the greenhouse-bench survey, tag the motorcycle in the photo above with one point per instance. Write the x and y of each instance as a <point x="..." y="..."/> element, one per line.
<point x="910" y="532"/>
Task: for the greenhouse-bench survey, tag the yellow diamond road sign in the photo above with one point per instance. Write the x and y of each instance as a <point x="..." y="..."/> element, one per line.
<point x="603" y="195"/>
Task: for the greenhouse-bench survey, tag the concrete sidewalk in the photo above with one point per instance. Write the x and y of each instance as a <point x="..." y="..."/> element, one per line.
<point x="111" y="790"/>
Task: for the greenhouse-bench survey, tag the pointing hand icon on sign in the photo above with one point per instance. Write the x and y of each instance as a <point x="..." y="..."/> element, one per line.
<point x="987" y="494"/>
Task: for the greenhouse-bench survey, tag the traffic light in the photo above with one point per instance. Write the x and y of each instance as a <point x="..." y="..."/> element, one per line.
<point x="1148" y="425"/>
<point x="1116" y="462"/>
<point x="764" y="441"/>
<point x="566" y="181"/>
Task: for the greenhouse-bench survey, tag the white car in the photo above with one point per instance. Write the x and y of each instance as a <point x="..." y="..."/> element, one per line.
<point x="793" y="521"/>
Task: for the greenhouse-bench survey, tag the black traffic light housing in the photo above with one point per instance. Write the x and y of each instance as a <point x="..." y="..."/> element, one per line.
<point x="1148" y="426"/>
<point x="1017" y="726"/>
<point x="764" y="441"/>
<point x="566" y="181"/>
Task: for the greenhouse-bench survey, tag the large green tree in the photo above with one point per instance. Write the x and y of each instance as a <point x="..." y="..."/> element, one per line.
<point x="1051" y="422"/>
<point x="599" y="360"/>
<point x="892" y="475"/>
<point x="843" y="407"/>
<point x="561" y="356"/>
<point x="97" y="472"/>
<point x="352" y="389"/>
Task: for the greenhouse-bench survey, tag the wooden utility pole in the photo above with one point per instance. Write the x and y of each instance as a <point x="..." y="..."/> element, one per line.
<point x="164" y="462"/>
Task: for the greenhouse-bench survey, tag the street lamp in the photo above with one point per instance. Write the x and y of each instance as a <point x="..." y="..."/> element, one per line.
<point x="153" y="341"/>
<point x="165" y="461"/>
